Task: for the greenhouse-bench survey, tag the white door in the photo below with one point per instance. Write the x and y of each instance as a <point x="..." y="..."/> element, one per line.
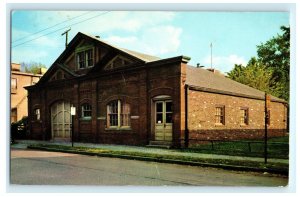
<point x="163" y="120"/>
<point x="61" y="120"/>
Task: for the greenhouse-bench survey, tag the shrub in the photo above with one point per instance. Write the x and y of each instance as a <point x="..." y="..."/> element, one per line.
<point x="19" y="130"/>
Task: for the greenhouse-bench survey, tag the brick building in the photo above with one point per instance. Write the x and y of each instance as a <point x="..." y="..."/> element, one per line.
<point x="125" y="97"/>
<point x="18" y="94"/>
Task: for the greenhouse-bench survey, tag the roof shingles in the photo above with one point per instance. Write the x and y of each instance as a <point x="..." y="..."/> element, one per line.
<point x="209" y="81"/>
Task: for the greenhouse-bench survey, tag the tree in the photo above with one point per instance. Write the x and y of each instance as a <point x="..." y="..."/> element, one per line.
<point x="275" y="54"/>
<point x="268" y="72"/>
<point x="32" y="67"/>
<point x="255" y="75"/>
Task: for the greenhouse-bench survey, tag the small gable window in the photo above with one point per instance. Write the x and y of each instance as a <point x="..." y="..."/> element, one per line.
<point x="85" y="59"/>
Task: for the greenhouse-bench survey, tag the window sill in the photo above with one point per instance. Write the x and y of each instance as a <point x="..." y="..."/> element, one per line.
<point x="13" y="91"/>
<point x="86" y="67"/>
<point x="118" y="129"/>
<point x="86" y="118"/>
<point x="219" y="124"/>
<point x="243" y="125"/>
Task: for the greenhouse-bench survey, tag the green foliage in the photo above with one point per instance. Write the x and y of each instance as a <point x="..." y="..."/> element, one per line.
<point x="19" y="129"/>
<point x="275" y="54"/>
<point x="32" y="67"/>
<point x="255" y="75"/>
<point x="270" y="71"/>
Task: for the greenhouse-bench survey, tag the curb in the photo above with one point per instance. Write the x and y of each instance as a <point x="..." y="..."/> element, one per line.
<point x="171" y="161"/>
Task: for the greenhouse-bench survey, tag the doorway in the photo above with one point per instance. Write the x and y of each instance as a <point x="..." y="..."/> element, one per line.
<point x="163" y="120"/>
<point x="61" y="120"/>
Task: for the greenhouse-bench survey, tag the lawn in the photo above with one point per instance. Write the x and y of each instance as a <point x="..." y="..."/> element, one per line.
<point x="277" y="148"/>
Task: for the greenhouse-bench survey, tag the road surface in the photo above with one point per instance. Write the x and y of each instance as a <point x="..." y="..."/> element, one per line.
<point x="31" y="167"/>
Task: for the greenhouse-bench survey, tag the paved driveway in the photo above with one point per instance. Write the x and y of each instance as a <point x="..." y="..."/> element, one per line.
<point x="32" y="167"/>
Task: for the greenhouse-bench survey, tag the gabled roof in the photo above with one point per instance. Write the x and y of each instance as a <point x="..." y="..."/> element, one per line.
<point x="138" y="55"/>
<point x="211" y="82"/>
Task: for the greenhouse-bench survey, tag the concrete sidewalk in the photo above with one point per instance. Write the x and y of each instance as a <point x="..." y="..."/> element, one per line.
<point x="158" y="151"/>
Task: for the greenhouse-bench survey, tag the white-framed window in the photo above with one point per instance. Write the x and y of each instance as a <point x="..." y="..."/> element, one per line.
<point x="37" y="114"/>
<point x="244" y="116"/>
<point x="220" y="115"/>
<point x="85" y="59"/>
<point x="118" y="114"/>
<point x="14" y="86"/>
<point x="86" y="111"/>
<point x="14" y="115"/>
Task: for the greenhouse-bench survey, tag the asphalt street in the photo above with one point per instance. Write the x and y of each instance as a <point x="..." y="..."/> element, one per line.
<point x="31" y="167"/>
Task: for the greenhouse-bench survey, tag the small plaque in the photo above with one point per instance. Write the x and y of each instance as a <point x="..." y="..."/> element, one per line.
<point x="135" y="117"/>
<point x="73" y="111"/>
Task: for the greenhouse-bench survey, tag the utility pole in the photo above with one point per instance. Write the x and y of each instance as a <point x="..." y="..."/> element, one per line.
<point x="267" y="106"/>
<point x="66" y="32"/>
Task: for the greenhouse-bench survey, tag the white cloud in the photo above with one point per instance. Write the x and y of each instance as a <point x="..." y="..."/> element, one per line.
<point x="98" y="22"/>
<point x="148" y="32"/>
<point x="162" y="39"/>
<point x="157" y="40"/>
<point x="17" y="35"/>
<point x="224" y="63"/>
<point x="28" y="54"/>
<point x="121" y="40"/>
<point x="46" y="42"/>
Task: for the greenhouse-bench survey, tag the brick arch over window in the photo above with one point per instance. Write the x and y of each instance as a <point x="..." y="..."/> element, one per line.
<point x="86" y="110"/>
<point x="85" y="100"/>
<point x="161" y="91"/>
<point x="128" y="99"/>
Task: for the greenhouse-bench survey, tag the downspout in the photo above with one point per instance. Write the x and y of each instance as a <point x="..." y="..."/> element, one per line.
<point x="186" y="132"/>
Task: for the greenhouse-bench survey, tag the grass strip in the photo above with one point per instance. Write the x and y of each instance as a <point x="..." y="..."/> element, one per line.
<point x="231" y="164"/>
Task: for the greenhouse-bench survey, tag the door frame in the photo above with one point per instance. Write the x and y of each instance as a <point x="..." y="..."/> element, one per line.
<point x="160" y="98"/>
<point x="51" y="120"/>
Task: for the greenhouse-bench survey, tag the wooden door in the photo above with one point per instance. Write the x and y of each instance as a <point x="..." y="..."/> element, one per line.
<point x="61" y="120"/>
<point x="163" y="120"/>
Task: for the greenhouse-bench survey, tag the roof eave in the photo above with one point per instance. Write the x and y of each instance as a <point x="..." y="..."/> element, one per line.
<point x="204" y="89"/>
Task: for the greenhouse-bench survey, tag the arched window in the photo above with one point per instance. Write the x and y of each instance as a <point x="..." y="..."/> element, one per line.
<point x="118" y="114"/>
<point x="86" y="111"/>
<point x="37" y="114"/>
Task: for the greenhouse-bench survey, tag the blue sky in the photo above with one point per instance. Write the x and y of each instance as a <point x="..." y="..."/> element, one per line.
<point x="234" y="35"/>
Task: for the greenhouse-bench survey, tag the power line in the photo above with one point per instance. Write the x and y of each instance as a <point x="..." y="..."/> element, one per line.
<point x="61" y="28"/>
<point x="51" y="26"/>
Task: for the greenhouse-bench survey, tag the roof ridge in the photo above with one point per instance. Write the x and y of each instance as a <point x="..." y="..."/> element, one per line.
<point x="141" y="56"/>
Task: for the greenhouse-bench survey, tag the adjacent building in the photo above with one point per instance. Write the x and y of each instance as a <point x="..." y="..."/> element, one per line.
<point x="126" y="97"/>
<point x="18" y="94"/>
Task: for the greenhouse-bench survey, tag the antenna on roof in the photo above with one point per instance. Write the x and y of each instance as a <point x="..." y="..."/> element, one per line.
<point x="211" y="46"/>
<point x="66" y="32"/>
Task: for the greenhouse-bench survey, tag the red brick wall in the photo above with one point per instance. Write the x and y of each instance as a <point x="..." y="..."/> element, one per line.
<point x="137" y="88"/>
<point x="201" y="117"/>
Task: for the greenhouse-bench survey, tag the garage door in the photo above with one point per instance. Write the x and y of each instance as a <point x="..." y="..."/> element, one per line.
<point x="61" y="120"/>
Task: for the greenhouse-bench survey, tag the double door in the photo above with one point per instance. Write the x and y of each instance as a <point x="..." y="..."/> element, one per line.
<point x="61" y="120"/>
<point x="163" y="120"/>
